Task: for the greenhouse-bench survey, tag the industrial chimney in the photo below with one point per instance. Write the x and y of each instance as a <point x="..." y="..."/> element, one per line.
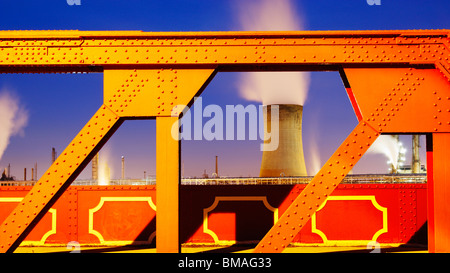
<point x="288" y="159"/>
<point x="53" y="155"/>
<point x="415" y="162"/>
<point x="217" y="166"/>
<point x="95" y="167"/>
<point x="123" y="167"/>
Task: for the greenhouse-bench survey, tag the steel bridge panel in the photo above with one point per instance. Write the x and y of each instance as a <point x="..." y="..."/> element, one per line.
<point x="402" y="100"/>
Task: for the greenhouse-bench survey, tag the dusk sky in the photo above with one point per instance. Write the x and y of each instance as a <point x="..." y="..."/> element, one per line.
<point x="58" y="105"/>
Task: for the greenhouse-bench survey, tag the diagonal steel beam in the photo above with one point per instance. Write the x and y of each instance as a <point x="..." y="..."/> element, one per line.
<point x="57" y="178"/>
<point x="316" y="192"/>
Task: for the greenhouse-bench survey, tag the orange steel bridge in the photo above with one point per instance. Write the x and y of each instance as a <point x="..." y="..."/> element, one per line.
<point x="397" y="82"/>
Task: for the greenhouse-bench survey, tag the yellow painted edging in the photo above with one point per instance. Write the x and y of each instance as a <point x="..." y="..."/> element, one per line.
<point x="104" y="199"/>
<point x="350" y="242"/>
<point x="47" y="234"/>
<point x="217" y="199"/>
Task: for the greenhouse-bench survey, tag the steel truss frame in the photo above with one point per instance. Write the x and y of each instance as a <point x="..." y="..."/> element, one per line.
<point x="397" y="82"/>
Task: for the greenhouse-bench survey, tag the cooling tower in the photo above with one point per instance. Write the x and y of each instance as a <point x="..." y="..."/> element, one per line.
<point x="288" y="159"/>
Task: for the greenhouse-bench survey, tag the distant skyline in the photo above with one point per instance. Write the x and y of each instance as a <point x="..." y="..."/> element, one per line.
<point x="59" y="105"/>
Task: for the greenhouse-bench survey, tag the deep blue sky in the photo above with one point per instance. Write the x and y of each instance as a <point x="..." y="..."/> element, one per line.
<point x="59" y="105"/>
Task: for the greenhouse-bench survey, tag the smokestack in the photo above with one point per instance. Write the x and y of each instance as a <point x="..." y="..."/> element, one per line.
<point x="24" y="174"/>
<point x="288" y="159"/>
<point x="32" y="174"/>
<point x="53" y="155"/>
<point x="123" y="167"/>
<point x="217" y="166"/>
<point x="35" y="171"/>
<point x="95" y="168"/>
<point x="415" y="162"/>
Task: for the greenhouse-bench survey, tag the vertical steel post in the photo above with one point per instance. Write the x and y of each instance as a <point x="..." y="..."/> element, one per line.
<point x="167" y="186"/>
<point x="430" y="195"/>
<point x="439" y="195"/>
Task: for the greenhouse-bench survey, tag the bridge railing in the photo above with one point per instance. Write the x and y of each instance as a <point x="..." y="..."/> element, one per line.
<point x="349" y="179"/>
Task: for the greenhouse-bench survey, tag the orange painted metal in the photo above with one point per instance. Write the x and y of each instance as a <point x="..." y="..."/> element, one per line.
<point x="93" y="51"/>
<point x="430" y="192"/>
<point x="439" y="190"/>
<point x="317" y="191"/>
<point x="167" y="186"/>
<point x="398" y="83"/>
<point x="410" y="100"/>
<point x="150" y="93"/>
<point x="402" y="100"/>
<point x="226" y="214"/>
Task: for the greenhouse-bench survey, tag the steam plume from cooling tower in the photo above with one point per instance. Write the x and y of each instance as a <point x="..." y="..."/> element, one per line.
<point x="387" y="145"/>
<point x="104" y="170"/>
<point x="271" y="87"/>
<point x="315" y="163"/>
<point x="13" y="118"/>
<point x="286" y="89"/>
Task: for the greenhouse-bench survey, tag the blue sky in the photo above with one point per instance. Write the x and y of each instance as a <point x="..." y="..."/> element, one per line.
<point x="59" y="105"/>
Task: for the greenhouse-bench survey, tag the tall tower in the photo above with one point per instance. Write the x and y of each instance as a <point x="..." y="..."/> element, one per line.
<point x="217" y="166"/>
<point x="288" y="159"/>
<point x="35" y="172"/>
<point x="415" y="162"/>
<point x="95" y="168"/>
<point x="53" y="155"/>
<point x="123" y="167"/>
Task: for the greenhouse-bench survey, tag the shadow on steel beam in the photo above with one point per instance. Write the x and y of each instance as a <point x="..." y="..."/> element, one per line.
<point x="420" y="237"/>
<point x="146" y="232"/>
<point x="251" y="221"/>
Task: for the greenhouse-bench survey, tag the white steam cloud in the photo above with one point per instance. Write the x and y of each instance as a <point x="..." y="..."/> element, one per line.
<point x="272" y="87"/>
<point x="388" y="146"/>
<point x="13" y="118"/>
<point x="315" y="163"/>
<point x="104" y="169"/>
